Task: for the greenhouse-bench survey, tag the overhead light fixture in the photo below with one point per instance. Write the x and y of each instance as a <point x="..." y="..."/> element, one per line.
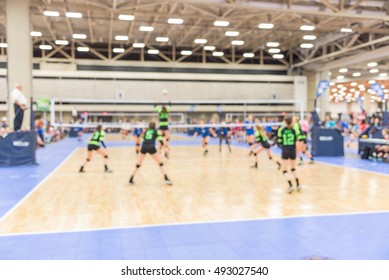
<point x="343" y="70"/>
<point x="371" y="82"/>
<point x="266" y="25"/>
<point x="138" y="45"/>
<point x="346" y="30"/>
<point x="79" y="36"/>
<point x="274" y="50"/>
<point x="218" y="54"/>
<point x="273" y="44"/>
<point x="73" y="15"/>
<point x="278" y="56"/>
<point x="153" y="51"/>
<point x="45" y="47"/>
<point x="332" y="84"/>
<point x="162" y="39"/>
<point x="232" y="33"/>
<point x="221" y="23"/>
<point x="375" y="70"/>
<point x="382" y="75"/>
<point x="306" y="46"/>
<point x="83" y="49"/>
<point x="62" y="42"/>
<point x="340" y="77"/>
<point x="186" y="52"/>
<point x="118" y="50"/>
<point x="354" y="84"/>
<point x="121" y="38"/>
<point x="36" y="33"/>
<point x="3" y="45"/>
<point x="237" y="42"/>
<point x="356" y="74"/>
<point x="51" y="13"/>
<point x="126" y="17"/>
<point x="209" y="48"/>
<point x="146" y="28"/>
<point x="307" y="27"/>
<point x="248" y="55"/>
<point x="309" y="37"/>
<point x="372" y="64"/>
<point x="175" y="21"/>
<point x="200" y="41"/>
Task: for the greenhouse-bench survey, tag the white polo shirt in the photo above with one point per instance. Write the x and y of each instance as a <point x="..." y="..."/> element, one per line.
<point x="18" y="95"/>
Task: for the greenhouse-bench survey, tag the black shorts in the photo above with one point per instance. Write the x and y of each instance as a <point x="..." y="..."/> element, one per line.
<point x="265" y="145"/>
<point x="93" y="147"/>
<point x="164" y="128"/>
<point x="288" y="153"/>
<point x="148" y="150"/>
<point x="303" y="140"/>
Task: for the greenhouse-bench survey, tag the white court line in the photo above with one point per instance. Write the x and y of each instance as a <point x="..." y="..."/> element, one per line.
<point x="200" y="222"/>
<point x="35" y="188"/>
<point x="14" y="176"/>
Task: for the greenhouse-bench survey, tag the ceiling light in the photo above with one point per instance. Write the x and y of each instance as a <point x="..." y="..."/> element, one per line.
<point x="121" y="38"/>
<point x="162" y="39"/>
<point x="200" y="41"/>
<point x="354" y="84"/>
<point x="309" y="37"/>
<point x="248" y="55"/>
<point x="232" y="33"/>
<point x="278" y="56"/>
<point x="83" y="49"/>
<point x="375" y="70"/>
<point x="209" y="48"/>
<point x="340" y="77"/>
<point x="332" y="83"/>
<point x="62" y="42"/>
<point x="138" y="45"/>
<point x="372" y="64"/>
<point x="153" y="51"/>
<point x="79" y="36"/>
<point x="237" y="42"/>
<point x="73" y="15"/>
<point x="222" y="23"/>
<point x="118" y="50"/>
<point x="126" y="17"/>
<point x="274" y="50"/>
<point x="307" y="27"/>
<point x="343" y="70"/>
<point x="51" y="13"/>
<point x="356" y="74"/>
<point x="3" y="45"/>
<point x="306" y="46"/>
<point x="346" y="30"/>
<point x="382" y="75"/>
<point x="45" y="47"/>
<point x="146" y="28"/>
<point x="371" y="82"/>
<point x="186" y="52"/>
<point x="218" y="53"/>
<point x="36" y="33"/>
<point x="273" y="44"/>
<point x="266" y="25"/>
<point x="175" y="21"/>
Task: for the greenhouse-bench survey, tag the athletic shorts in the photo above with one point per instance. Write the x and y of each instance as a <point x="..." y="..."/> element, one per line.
<point x="249" y="133"/>
<point x="164" y="128"/>
<point x="148" y="150"/>
<point x="266" y="145"/>
<point x="288" y="152"/>
<point x="136" y="134"/>
<point x="303" y="140"/>
<point x="93" y="147"/>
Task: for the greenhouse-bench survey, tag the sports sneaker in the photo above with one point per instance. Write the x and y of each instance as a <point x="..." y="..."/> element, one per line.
<point x="299" y="188"/>
<point x="81" y="170"/>
<point x="290" y="189"/>
<point x="108" y="171"/>
<point x="205" y="152"/>
<point x="168" y="182"/>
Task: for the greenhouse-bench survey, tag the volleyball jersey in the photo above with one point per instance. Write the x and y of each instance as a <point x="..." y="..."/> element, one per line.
<point x="287" y="137"/>
<point x="259" y="138"/>
<point x="149" y="138"/>
<point x="203" y="131"/>
<point x="163" y="117"/>
<point x="137" y="131"/>
<point x="97" y="138"/>
<point x="300" y="134"/>
<point x="249" y="128"/>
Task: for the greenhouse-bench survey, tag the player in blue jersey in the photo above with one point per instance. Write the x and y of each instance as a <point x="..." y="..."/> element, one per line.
<point x="224" y="133"/>
<point x="249" y="129"/>
<point x="205" y="133"/>
<point x="137" y="135"/>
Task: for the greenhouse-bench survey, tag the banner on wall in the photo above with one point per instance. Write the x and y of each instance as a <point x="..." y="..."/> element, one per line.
<point x="321" y="88"/>
<point x="42" y="104"/>
<point x="377" y="89"/>
<point x="360" y="103"/>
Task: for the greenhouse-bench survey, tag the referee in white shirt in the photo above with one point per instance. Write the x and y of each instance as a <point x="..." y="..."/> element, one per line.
<point x="19" y="101"/>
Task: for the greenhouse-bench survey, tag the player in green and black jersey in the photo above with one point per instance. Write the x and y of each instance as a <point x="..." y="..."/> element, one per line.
<point x="150" y="135"/>
<point x="94" y="145"/>
<point x="301" y="142"/>
<point x="163" y="113"/>
<point x="261" y="140"/>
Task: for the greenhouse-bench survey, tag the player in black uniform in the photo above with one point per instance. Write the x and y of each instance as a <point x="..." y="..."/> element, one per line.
<point x="261" y="139"/>
<point x="287" y="138"/>
<point x="94" y="145"/>
<point x="148" y="147"/>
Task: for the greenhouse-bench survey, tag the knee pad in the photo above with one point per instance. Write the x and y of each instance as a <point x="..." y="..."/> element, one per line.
<point x="271" y="158"/>
<point x="255" y="154"/>
<point x="87" y="159"/>
<point x="206" y="143"/>
<point x="161" y="164"/>
<point x="137" y="145"/>
<point x="293" y="169"/>
<point x="250" y="144"/>
<point x="137" y="166"/>
<point x="284" y="172"/>
<point x="167" y="139"/>
<point x="105" y="156"/>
